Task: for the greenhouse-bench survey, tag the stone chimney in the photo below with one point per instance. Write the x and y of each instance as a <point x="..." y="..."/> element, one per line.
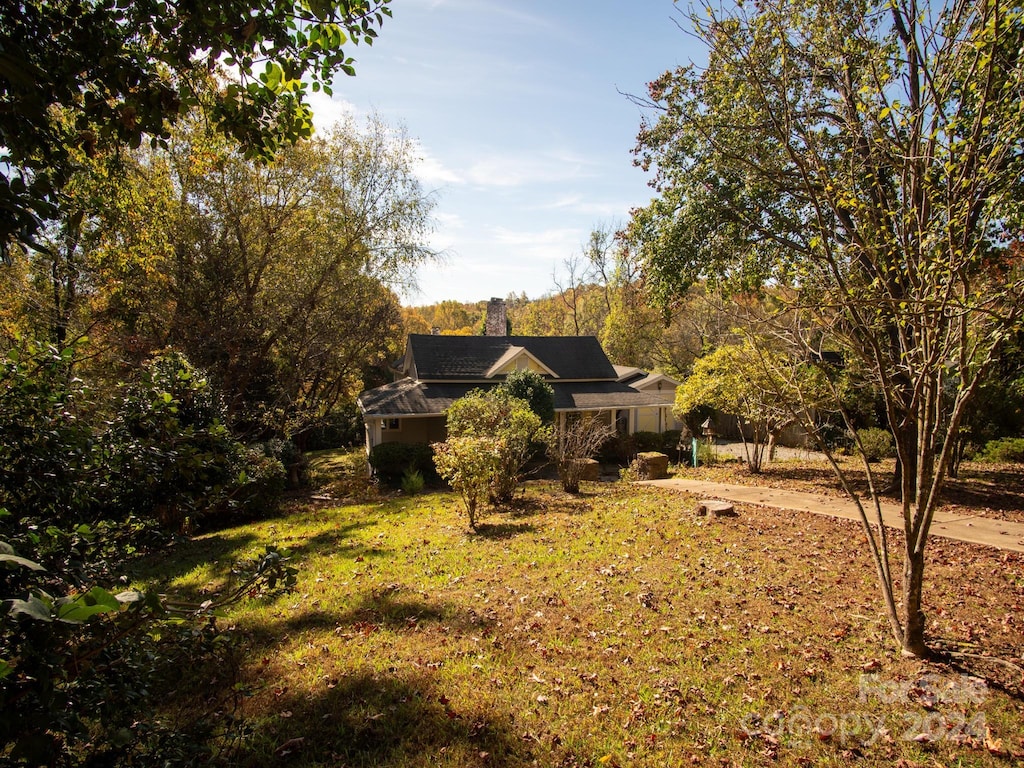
<point x="497" y="318"/>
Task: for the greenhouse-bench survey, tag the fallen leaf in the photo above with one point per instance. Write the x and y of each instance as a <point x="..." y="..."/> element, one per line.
<point x="993" y="744"/>
<point x="290" y="746"/>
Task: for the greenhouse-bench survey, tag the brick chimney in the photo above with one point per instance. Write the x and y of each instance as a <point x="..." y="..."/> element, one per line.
<point x="497" y="318"/>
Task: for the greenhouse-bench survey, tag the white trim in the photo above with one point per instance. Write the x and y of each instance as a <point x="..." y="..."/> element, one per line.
<point x="512" y="354"/>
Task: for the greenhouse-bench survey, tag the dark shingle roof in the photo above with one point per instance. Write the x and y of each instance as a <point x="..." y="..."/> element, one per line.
<point x="408" y="397"/>
<point x="467" y="358"/>
<point x="416" y="398"/>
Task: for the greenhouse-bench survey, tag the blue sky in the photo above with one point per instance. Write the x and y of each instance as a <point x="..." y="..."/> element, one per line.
<point x="524" y="134"/>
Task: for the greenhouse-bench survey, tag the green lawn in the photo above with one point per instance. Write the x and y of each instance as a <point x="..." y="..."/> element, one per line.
<point x="610" y="629"/>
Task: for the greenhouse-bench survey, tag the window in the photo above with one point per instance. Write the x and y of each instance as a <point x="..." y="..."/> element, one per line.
<point x="390" y="424"/>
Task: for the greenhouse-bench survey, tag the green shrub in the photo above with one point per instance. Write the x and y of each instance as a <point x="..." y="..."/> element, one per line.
<point x="509" y="422"/>
<point x="1004" y="450"/>
<point x="49" y="459"/>
<point x="648" y="441"/>
<point x="412" y="482"/>
<point x="169" y="453"/>
<point x="261" y="482"/>
<point x="468" y="465"/>
<point x="294" y="461"/>
<point x="390" y="461"/>
<point x="706" y="456"/>
<point x="876" y="443"/>
<point x="618" y="449"/>
<point x="531" y="387"/>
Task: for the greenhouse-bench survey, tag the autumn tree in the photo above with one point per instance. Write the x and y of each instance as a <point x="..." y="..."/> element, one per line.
<point x="868" y="156"/>
<point x="281" y="272"/>
<point x="84" y="75"/>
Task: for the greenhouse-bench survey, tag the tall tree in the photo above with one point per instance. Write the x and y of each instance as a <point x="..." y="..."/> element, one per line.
<point x="281" y="270"/>
<point x="85" y="74"/>
<point x="869" y="155"/>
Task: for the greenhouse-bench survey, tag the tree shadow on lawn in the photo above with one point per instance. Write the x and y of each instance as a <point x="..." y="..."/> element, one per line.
<point x="998" y="489"/>
<point x="368" y="719"/>
<point x="222" y="552"/>
<point x="500" y="531"/>
<point x="557" y="502"/>
<point x="220" y="549"/>
<point x="991" y="664"/>
<point x="394" y="608"/>
<point x="336" y="541"/>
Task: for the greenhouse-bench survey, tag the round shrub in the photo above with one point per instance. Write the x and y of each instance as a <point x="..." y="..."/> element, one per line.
<point x="1005" y="450"/>
<point x="876" y="443"/>
<point x="390" y="461"/>
<point x="648" y="441"/>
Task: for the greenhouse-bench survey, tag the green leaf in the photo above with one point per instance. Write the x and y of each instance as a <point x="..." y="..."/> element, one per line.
<point x="22" y="561"/>
<point x="5" y="669"/>
<point x="85" y="606"/>
<point x="34" y="608"/>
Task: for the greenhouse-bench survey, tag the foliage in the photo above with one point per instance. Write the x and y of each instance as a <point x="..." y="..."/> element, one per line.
<point x="171" y="454"/>
<point x="92" y="75"/>
<point x="390" y="461"/>
<point x="1007" y="449"/>
<point x="280" y="285"/>
<point x="469" y="465"/>
<point x="581" y="439"/>
<point x="84" y="671"/>
<point x="341" y="428"/>
<point x="531" y="387"/>
<point x="735" y="381"/>
<point x="510" y="423"/>
<point x="412" y="482"/>
<point x="162" y="453"/>
<point x="48" y="455"/>
<point x="876" y="444"/>
<point x="650" y="441"/>
<point x="863" y="160"/>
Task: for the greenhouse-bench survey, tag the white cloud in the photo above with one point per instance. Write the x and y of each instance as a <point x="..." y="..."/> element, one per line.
<point x="432" y="171"/>
<point x="576" y="204"/>
<point x="504" y="169"/>
<point x="533" y="240"/>
<point x="328" y="110"/>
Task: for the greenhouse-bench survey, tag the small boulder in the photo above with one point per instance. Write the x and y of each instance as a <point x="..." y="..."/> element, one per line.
<point x="591" y="469"/>
<point x="651" y="465"/>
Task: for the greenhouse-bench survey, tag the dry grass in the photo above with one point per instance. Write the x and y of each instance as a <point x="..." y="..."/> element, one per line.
<point x="609" y="629"/>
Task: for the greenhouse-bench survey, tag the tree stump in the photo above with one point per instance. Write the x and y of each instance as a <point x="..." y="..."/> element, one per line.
<point x="716" y="508"/>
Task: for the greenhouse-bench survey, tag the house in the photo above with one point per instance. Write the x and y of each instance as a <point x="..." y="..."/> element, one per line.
<point x="437" y="370"/>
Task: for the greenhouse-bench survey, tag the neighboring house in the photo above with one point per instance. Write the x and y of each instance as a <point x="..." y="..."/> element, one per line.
<point x="438" y="370"/>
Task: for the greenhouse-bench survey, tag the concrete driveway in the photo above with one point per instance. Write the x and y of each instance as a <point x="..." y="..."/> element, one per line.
<point x="1001" y="534"/>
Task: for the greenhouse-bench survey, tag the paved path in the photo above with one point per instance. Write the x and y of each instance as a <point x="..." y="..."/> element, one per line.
<point x="1001" y="534"/>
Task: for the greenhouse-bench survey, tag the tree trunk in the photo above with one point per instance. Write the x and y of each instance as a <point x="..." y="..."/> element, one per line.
<point x="914" y="626"/>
